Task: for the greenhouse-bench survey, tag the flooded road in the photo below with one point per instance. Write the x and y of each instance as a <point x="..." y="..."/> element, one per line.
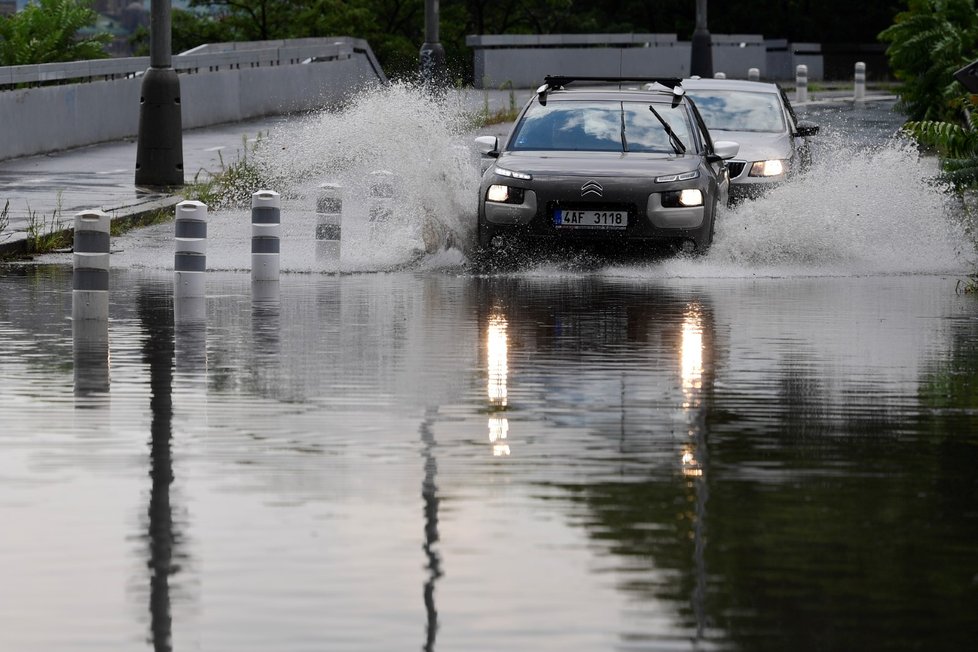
<point x="770" y="448"/>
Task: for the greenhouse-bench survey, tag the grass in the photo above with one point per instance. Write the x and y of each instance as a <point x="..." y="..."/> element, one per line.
<point x="485" y="117"/>
<point x="233" y="184"/>
<point x="44" y="236"/>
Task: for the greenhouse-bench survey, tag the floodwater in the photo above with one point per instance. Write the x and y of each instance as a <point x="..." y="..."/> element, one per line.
<point x="770" y="448"/>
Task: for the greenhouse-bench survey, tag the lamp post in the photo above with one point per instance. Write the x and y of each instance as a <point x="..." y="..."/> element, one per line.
<point x="432" y="53"/>
<point x="701" y="63"/>
<point x="159" y="145"/>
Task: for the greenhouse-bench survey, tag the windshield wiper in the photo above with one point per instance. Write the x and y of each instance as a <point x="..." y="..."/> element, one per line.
<point x="624" y="141"/>
<point x="677" y="144"/>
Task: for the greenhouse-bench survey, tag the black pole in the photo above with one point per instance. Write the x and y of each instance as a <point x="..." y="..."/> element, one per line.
<point x="432" y="53"/>
<point x="701" y="60"/>
<point x="159" y="145"/>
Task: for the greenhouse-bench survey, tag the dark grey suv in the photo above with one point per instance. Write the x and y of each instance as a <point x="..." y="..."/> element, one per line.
<point x="604" y="164"/>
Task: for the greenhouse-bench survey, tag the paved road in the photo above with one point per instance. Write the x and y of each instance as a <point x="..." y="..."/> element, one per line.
<point x="55" y="186"/>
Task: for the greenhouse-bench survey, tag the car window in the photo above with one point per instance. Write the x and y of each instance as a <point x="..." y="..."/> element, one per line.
<point x="739" y="110"/>
<point x="599" y="126"/>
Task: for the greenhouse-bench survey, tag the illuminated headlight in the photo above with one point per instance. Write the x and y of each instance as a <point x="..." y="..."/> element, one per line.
<point x="771" y="168"/>
<point x="513" y="174"/>
<point x="682" y="198"/>
<point x="504" y="194"/>
<point x="685" y="176"/>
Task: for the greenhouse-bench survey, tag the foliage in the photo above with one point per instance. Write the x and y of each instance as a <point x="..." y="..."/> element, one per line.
<point x="233" y="185"/>
<point x="927" y="44"/>
<point x="46" y="31"/>
<point x="189" y="29"/>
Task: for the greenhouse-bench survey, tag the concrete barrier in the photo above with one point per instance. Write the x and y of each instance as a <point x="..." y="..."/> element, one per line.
<point x="215" y="87"/>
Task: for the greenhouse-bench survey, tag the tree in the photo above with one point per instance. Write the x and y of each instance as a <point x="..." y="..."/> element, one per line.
<point x="928" y="42"/>
<point x="47" y="32"/>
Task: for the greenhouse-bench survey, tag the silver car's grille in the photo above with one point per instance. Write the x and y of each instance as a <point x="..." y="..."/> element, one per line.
<point x="736" y="168"/>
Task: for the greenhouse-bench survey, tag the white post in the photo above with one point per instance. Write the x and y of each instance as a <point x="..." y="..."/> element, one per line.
<point x="754" y="74"/>
<point x="381" y="196"/>
<point x="90" y="280"/>
<point x="190" y="257"/>
<point x="859" y="92"/>
<point x="801" y="83"/>
<point x="329" y="221"/>
<point x="719" y="75"/>
<point x="266" y="224"/>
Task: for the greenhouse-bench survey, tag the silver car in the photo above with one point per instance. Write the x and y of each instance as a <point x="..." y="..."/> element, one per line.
<point x="774" y="143"/>
<point x="608" y="165"/>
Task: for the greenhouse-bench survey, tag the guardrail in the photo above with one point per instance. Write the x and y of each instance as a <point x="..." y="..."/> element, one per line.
<point x="211" y="58"/>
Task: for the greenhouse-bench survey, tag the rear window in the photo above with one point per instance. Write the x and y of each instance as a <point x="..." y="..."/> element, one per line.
<point x="739" y="110"/>
<point x="600" y="126"/>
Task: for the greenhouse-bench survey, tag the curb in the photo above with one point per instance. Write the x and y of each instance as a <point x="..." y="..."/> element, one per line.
<point x="123" y="214"/>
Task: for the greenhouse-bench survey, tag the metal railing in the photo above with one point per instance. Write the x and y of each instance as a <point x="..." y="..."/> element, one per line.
<point x="210" y="57"/>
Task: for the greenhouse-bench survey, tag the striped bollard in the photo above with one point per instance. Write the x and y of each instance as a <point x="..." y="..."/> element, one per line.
<point x="329" y="220"/>
<point x="90" y="280"/>
<point x="754" y="74"/>
<point x="382" y="185"/>
<point x="266" y="218"/>
<point x="801" y="83"/>
<point x="719" y="75"/>
<point x="189" y="259"/>
<point x="859" y="92"/>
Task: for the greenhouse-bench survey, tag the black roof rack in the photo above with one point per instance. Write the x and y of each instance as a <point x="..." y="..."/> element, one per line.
<point x="553" y="82"/>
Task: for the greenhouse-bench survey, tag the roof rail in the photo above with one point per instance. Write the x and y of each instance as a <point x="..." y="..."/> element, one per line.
<point x="553" y="82"/>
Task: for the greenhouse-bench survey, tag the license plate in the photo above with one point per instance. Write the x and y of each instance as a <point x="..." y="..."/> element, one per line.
<point x="566" y="219"/>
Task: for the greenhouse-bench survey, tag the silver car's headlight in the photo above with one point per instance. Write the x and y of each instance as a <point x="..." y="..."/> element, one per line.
<point x="771" y="168"/>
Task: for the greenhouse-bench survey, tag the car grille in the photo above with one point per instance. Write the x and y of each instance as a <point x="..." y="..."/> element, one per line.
<point x="736" y="168"/>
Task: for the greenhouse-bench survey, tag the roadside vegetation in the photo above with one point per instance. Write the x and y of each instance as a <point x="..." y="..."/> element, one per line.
<point x="928" y="43"/>
<point x="47" y="31"/>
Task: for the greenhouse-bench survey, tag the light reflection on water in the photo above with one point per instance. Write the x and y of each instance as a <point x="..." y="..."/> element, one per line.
<point x="671" y="464"/>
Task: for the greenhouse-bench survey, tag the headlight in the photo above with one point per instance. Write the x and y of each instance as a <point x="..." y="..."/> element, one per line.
<point x="685" y="176"/>
<point x="771" y="168"/>
<point x="682" y="198"/>
<point x="504" y="194"/>
<point x="513" y="174"/>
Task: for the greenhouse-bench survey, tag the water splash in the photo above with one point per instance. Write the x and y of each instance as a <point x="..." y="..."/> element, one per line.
<point x="410" y="142"/>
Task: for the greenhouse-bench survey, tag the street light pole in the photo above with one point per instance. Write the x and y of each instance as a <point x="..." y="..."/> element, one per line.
<point x="432" y="53"/>
<point x="701" y="63"/>
<point x="159" y="145"/>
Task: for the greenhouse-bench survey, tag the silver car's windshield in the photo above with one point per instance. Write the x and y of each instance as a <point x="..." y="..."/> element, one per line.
<point x="600" y="126"/>
<point x="739" y="110"/>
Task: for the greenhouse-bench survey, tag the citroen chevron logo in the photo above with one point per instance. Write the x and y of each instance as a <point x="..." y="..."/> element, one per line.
<point x="592" y="188"/>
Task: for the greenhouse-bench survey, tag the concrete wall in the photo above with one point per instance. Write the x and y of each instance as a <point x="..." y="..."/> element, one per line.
<point x="51" y="118"/>
<point x="524" y="60"/>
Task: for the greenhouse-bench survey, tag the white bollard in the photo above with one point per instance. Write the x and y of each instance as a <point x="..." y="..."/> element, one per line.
<point x="90" y="346"/>
<point x="801" y="83"/>
<point x="90" y="280"/>
<point x="266" y="225"/>
<point x="190" y="256"/>
<point x="859" y="92"/>
<point x="754" y="74"/>
<point x="719" y="75"/>
<point x="329" y="221"/>
<point x="382" y="190"/>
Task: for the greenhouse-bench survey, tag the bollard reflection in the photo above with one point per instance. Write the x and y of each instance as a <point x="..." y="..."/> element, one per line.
<point x="429" y="496"/>
<point x="266" y="317"/>
<point x="90" y="345"/>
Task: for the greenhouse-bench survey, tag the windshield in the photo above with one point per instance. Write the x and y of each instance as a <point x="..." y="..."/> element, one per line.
<point x="602" y="126"/>
<point x="739" y="110"/>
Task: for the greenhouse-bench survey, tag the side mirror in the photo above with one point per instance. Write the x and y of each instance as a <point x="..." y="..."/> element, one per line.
<point x="806" y="128"/>
<point x="487" y="146"/>
<point x="724" y="150"/>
